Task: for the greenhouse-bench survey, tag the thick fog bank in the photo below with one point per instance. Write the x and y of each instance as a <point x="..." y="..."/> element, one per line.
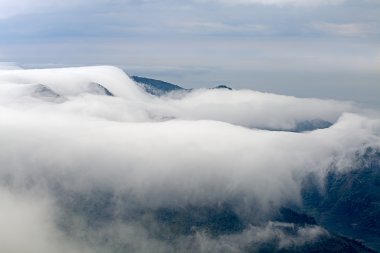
<point x="91" y="160"/>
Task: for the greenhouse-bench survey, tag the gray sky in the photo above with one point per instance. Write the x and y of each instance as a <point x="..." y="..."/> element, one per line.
<point x="314" y="48"/>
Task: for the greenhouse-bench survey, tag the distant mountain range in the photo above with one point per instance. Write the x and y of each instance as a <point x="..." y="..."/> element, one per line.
<point x="159" y="88"/>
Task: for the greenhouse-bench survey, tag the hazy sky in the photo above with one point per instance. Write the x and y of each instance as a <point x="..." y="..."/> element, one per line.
<point x="321" y="48"/>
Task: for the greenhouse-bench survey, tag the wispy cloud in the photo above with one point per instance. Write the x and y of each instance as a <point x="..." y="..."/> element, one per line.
<point x="11" y="8"/>
<point x="279" y="2"/>
<point x="345" y="29"/>
<point x="206" y="27"/>
<point x="238" y="37"/>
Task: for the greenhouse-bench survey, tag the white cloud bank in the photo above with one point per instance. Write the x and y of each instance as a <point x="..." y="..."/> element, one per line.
<point x="191" y="148"/>
<point x="130" y="104"/>
<point x="199" y="144"/>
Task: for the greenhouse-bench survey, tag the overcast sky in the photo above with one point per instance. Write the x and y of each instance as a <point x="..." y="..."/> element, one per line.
<point x="322" y="48"/>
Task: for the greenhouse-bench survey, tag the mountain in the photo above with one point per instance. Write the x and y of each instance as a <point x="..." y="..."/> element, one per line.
<point x="222" y="87"/>
<point x="159" y="88"/>
<point x="305" y="126"/>
<point x="98" y="89"/>
<point x="156" y="87"/>
<point x="310" y="125"/>
<point x="182" y="226"/>
<point x="349" y="201"/>
<point x="110" y="175"/>
<point x="47" y="94"/>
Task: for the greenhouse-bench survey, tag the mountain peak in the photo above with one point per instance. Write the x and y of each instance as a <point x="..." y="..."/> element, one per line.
<point x="156" y="87"/>
<point x="222" y="87"/>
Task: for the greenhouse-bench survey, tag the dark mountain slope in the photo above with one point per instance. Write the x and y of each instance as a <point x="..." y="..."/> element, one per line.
<point x="156" y="87"/>
<point x="350" y="201"/>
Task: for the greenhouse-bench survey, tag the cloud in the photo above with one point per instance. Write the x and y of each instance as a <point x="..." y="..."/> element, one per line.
<point x="273" y="231"/>
<point x="205" y="27"/>
<point x="11" y="8"/>
<point x="122" y="156"/>
<point x="239" y="107"/>
<point x="8" y="66"/>
<point x="350" y="29"/>
<point x="28" y="225"/>
<point x="253" y="237"/>
<point x="126" y="135"/>
<point x="279" y="2"/>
